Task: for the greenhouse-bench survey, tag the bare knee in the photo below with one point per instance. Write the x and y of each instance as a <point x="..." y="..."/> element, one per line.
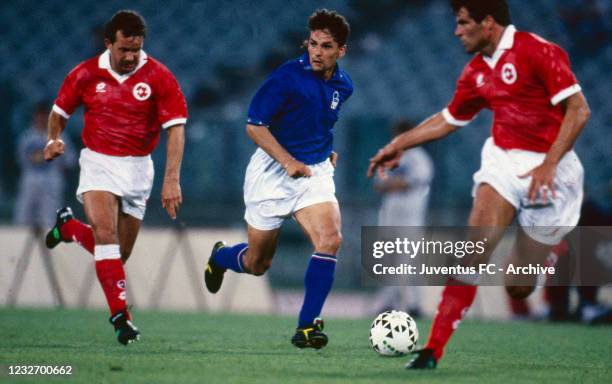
<point x="519" y="292"/>
<point x="329" y="243"/>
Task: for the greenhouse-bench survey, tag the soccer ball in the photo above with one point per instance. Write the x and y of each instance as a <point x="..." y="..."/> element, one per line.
<point x="393" y="333"/>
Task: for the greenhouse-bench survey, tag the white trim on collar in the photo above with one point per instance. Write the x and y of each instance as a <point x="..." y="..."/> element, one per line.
<point x="506" y="42"/>
<point x="104" y="63"/>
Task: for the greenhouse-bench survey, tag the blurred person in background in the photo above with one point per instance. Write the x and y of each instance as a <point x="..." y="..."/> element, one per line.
<point x="405" y="198"/>
<point x="41" y="184"/>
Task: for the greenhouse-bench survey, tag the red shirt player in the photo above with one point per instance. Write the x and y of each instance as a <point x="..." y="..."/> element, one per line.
<point x="128" y="98"/>
<point x="528" y="169"/>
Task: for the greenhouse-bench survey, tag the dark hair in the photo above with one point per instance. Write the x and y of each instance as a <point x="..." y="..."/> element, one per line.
<point x="334" y="22"/>
<point x="42" y="107"/>
<point x="479" y="9"/>
<point x="402" y="126"/>
<point x="130" y="23"/>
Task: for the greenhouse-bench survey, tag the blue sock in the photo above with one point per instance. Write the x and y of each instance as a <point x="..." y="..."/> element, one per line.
<point x="318" y="281"/>
<point x="232" y="257"/>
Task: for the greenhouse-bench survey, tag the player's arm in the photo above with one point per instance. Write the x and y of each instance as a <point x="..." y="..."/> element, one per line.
<point x="264" y="139"/>
<point x="388" y="157"/>
<point x="55" y="127"/>
<point x="171" y="190"/>
<point x="577" y="114"/>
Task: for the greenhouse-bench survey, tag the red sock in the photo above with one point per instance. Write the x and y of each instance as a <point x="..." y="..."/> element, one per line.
<point x="79" y="232"/>
<point x="112" y="278"/>
<point x="456" y="300"/>
<point x="519" y="307"/>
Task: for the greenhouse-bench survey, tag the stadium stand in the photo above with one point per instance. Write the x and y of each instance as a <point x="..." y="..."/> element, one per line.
<point x="403" y="60"/>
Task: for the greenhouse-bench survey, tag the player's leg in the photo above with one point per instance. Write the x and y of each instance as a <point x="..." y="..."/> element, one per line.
<point x="102" y="211"/>
<point x="68" y="229"/>
<point x="489" y="217"/>
<point x="322" y="223"/>
<point x="257" y="258"/>
<point x="128" y="228"/>
<point x="254" y="257"/>
<point x="544" y="226"/>
<point x="525" y="251"/>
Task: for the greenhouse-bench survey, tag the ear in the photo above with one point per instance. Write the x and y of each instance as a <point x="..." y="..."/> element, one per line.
<point x="488" y="22"/>
<point x="342" y="51"/>
<point x="108" y="44"/>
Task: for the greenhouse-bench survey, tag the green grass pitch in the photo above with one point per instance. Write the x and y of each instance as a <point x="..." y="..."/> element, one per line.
<point x="206" y="348"/>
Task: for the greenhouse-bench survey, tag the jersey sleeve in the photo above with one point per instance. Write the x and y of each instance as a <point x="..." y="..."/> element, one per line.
<point x="171" y="104"/>
<point x="466" y="102"/>
<point x="69" y="96"/>
<point x="269" y="99"/>
<point x="551" y="64"/>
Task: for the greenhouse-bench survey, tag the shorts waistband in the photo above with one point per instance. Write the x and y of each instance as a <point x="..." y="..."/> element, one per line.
<point x="135" y="159"/>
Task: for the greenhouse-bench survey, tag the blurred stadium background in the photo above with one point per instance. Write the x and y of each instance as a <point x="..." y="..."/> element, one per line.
<point x="403" y="59"/>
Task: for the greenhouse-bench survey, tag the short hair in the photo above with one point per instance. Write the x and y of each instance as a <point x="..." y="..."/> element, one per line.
<point x="129" y="22"/>
<point x="479" y="9"/>
<point x="334" y="22"/>
<point x="402" y="126"/>
<point x="42" y="107"/>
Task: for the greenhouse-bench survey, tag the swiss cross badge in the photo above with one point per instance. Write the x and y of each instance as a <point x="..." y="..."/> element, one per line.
<point x="141" y="91"/>
<point x="508" y="73"/>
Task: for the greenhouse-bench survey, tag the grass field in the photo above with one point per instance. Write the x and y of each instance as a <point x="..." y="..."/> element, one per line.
<point x="204" y="348"/>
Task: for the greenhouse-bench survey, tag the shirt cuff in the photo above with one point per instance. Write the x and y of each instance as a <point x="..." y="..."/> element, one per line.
<point x="451" y="119"/>
<point x="60" y="111"/>
<point x="565" y="93"/>
<point x="252" y="121"/>
<point x="173" y="122"/>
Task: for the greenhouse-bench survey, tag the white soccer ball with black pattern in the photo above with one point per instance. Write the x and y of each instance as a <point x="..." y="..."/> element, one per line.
<point x="393" y="333"/>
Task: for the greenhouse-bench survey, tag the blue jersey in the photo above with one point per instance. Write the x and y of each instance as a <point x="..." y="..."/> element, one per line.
<point x="300" y="108"/>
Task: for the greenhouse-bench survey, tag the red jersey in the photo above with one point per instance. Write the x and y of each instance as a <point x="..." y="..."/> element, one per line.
<point x="522" y="83"/>
<point x="123" y="113"/>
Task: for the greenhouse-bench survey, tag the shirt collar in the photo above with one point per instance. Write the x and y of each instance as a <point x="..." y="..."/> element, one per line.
<point x="104" y="63"/>
<point x="305" y="62"/>
<point x="506" y="42"/>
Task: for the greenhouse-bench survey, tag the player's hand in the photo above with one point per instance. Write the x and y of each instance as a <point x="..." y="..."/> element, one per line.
<point x="172" y="197"/>
<point x="542" y="182"/>
<point x="333" y="158"/>
<point x="387" y="157"/>
<point x="297" y="169"/>
<point x="53" y="149"/>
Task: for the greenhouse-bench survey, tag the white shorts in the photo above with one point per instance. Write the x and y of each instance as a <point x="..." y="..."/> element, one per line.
<point x="547" y="224"/>
<point x="129" y="177"/>
<point x="271" y="196"/>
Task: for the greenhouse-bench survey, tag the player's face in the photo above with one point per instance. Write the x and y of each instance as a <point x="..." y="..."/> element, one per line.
<point x="324" y="52"/>
<point x="40" y="120"/>
<point x="125" y="52"/>
<point x="471" y="33"/>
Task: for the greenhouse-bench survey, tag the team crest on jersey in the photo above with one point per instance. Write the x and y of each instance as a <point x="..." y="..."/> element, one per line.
<point x="101" y="87"/>
<point x="479" y="80"/>
<point x="335" y="100"/>
<point x="141" y="91"/>
<point x="508" y="73"/>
